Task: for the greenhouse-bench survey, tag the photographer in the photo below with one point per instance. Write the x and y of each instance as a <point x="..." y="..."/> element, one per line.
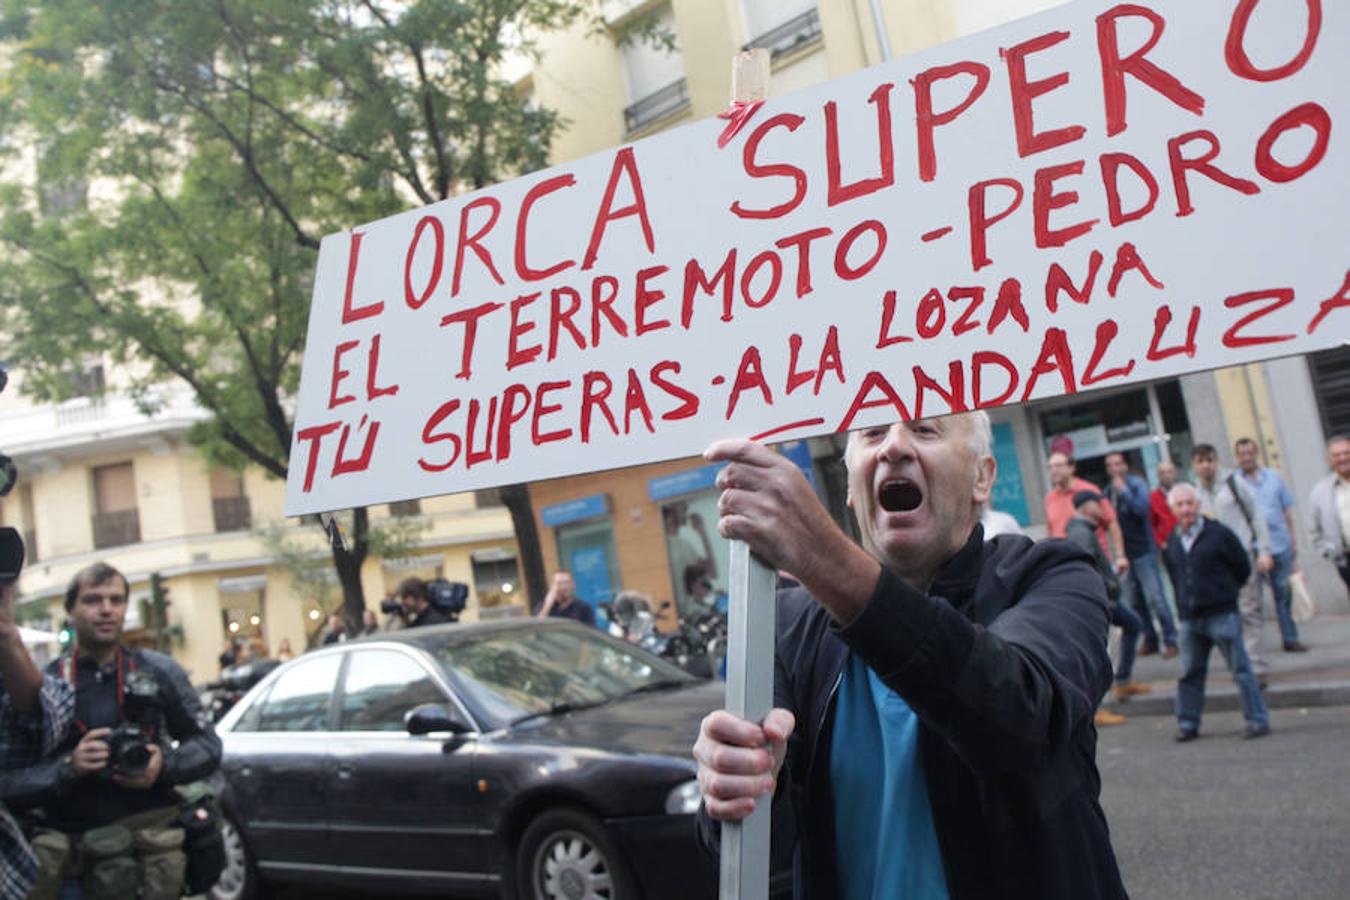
<point x="36" y="712"/>
<point x="415" y="605"/>
<point x="109" y="810"/>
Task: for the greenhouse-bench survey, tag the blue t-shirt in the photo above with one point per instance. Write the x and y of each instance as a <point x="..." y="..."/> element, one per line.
<point x="1273" y="496"/>
<point x="884" y="837"/>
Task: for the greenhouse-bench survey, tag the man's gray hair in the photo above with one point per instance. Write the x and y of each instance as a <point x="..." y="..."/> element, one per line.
<point x="1179" y="489"/>
<point x="981" y="433"/>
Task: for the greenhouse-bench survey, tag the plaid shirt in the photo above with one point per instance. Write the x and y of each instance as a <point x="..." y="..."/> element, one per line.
<point x="25" y="740"/>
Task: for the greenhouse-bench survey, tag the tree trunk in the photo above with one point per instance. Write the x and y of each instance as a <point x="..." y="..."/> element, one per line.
<point x="516" y="497"/>
<point x="348" y="557"/>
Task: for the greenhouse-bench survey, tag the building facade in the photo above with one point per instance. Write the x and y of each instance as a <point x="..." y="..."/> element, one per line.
<point x="99" y="479"/>
<point x="645" y="528"/>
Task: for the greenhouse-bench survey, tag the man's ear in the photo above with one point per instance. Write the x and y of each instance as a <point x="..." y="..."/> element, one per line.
<point x="986" y="469"/>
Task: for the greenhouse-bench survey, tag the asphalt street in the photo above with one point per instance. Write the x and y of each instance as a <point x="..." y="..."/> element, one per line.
<point x="1223" y="818"/>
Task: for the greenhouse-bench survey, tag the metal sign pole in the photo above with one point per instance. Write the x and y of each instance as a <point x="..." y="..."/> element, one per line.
<point x="750" y="663"/>
<point x="750" y="620"/>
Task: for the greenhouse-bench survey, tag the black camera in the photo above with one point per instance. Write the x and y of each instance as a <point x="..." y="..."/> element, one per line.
<point x="129" y="743"/>
<point x="128" y="749"/>
<point x="390" y="606"/>
<point x="11" y="556"/>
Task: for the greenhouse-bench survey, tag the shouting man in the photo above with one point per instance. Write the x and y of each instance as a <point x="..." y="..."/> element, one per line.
<point x="934" y="693"/>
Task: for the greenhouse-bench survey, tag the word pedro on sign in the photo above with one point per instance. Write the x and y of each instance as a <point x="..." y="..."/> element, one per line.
<point x="1095" y="195"/>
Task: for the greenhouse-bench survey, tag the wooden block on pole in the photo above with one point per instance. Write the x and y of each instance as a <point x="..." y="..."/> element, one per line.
<point x="750" y="76"/>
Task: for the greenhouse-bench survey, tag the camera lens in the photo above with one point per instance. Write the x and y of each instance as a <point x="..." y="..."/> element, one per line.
<point x="134" y="758"/>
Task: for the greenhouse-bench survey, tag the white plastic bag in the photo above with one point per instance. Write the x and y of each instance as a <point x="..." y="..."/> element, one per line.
<point x="1300" y="601"/>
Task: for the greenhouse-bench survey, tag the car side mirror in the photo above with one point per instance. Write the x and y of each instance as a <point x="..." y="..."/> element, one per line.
<point x="432" y="717"/>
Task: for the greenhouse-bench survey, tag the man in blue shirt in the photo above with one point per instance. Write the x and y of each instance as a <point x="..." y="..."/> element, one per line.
<point x="934" y="692"/>
<point x="1142" y="584"/>
<point x="1275" y="504"/>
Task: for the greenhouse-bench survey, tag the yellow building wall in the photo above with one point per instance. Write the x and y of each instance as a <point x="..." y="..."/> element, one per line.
<point x="1244" y="395"/>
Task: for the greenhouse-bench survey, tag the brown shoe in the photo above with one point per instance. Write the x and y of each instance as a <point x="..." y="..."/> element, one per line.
<point x="1106" y="717"/>
<point x="1147" y="651"/>
<point x="1295" y="647"/>
<point x="1170" y="651"/>
<point x="1128" y="689"/>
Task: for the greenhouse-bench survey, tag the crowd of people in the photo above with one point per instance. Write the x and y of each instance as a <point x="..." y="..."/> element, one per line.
<point x="1215" y="545"/>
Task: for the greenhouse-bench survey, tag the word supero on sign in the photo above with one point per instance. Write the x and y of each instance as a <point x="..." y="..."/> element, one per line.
<point x="1096" y="195"/>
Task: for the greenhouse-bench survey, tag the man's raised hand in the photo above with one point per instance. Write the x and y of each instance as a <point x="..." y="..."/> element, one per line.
<point x="739" y="760"/>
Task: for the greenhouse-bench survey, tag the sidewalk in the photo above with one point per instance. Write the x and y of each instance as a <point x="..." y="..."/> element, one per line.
<point x="1320" y="677"/>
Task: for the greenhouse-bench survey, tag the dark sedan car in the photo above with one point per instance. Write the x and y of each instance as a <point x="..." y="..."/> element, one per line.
<point x="527" y="758"/>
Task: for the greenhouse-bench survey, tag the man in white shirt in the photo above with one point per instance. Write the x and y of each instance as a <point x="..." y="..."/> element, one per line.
<point x="1329" y="521"/>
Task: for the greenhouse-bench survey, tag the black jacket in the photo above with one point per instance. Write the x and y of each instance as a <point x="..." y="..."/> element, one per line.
<point x="432" y="615"/>
<point x="1208" y="578"/>
<point x="1004" y="662"/>
<point x="71" y="803"/>
<point x="1083" y="534"/>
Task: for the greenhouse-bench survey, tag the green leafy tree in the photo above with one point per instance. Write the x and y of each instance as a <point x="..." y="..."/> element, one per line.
<point x="172" y="165"/>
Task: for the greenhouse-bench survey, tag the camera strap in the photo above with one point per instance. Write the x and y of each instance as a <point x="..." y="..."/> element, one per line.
<point x="67" y="669"/>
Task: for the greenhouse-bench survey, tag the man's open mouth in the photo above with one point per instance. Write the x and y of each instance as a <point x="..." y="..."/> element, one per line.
<point x="900" y="496"/>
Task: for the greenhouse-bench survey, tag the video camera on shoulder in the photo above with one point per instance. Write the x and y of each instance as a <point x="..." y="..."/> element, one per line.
<point x="448" y="596"/>
<point x="390" y="606"/>
<point x="129" y="743"/>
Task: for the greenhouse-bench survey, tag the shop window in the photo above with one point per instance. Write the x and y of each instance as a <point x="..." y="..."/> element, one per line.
<point x="496" y="578"/>
<point x="586" y="549"/>
<point x="699" y="557"/>
<point x="1137" y="423"/>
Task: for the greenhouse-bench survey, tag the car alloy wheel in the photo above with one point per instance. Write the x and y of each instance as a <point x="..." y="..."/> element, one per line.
<point x="567" y="855"/>
<point x="236" y="880"/>
<point x="569" y="867"/>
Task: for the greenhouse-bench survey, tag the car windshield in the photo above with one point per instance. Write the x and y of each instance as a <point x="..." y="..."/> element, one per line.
<point x="512" y="675"/>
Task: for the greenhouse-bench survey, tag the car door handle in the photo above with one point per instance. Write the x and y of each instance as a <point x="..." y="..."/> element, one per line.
<point x="344" y="772"/>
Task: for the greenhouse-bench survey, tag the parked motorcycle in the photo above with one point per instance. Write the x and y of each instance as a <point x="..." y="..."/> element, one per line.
<point x="219" y="696"/>
<point x="697" y="645"/>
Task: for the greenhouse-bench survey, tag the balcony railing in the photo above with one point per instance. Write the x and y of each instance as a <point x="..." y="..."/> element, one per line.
<point x="656" y="106"/>
<point x="799" y="31"/>
<point x="116" y="529"/>
<point x="231" y="513"/>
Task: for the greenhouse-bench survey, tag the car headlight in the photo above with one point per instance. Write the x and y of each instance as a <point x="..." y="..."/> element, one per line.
<point x="684" y="800"/>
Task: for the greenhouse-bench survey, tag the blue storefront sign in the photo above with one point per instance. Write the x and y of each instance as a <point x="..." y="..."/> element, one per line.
<point x="575" y="510"/>
<point x="1009" y="494"/>
<point x="705" y="477"/>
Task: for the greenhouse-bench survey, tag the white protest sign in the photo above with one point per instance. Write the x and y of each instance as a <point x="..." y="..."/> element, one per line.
<point x="1095" y="195"/>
